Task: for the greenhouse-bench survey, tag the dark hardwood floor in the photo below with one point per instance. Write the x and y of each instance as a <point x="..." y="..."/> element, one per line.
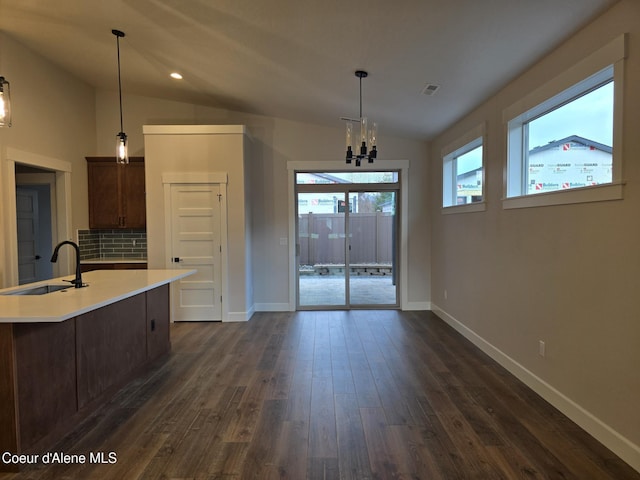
<point x="322" y="395"/>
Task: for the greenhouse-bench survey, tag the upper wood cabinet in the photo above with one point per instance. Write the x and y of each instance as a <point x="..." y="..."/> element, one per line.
<point x="116" y="193"/>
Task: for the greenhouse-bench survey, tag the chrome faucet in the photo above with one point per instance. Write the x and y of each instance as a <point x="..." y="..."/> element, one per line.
<point x="77" y="282"/>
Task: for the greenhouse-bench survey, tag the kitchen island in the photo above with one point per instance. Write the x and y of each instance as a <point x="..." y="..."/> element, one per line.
<point x="64" y="353"/>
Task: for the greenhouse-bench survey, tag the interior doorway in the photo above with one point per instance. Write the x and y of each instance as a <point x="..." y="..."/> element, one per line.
<point x="35" y="243"/>
<point x="347" y="239"/>
<point x="40" y="170"/>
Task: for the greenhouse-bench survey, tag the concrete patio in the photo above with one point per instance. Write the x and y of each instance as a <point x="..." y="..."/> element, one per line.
<point x="329" y="290"/>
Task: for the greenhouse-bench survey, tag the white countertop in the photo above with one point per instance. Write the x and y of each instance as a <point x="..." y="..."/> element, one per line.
<point x="105" y="287"/>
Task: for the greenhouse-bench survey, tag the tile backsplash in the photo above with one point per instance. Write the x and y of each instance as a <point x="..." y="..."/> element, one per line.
<point x="121" y="243"/>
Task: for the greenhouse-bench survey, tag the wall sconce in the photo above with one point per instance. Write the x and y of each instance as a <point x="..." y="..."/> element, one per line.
<point x="5" y="103"/>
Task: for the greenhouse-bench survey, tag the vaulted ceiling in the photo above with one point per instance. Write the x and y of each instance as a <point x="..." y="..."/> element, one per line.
<point x="296" y="58"/>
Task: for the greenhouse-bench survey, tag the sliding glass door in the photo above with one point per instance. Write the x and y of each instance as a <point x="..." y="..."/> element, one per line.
<point x="321" y="250"/>
<point x="372" y="250"/>
<point x="346" y="239"/>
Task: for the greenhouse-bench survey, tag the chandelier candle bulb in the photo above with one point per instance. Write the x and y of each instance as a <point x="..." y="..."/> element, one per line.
<point x="363" y="136"/>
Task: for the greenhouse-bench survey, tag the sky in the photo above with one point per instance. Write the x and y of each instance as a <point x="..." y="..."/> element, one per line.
<point x="590" y="116"/>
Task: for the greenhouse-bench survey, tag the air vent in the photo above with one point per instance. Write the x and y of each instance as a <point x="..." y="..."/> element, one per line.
<point x="430" y="89"/>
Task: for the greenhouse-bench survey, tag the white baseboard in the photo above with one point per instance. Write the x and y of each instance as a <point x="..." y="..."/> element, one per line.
<point x="273" y="307"/>
<point x="610" y="438"/>
<point x="239" y="316"/>
<point x="412" y="306"/>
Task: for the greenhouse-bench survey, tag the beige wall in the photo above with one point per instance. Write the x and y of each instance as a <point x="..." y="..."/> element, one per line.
<point x="54" y="117"/>
<point x="275" y="142"/>
<point x="199" y="153"/>
<point x="567" y="275"/>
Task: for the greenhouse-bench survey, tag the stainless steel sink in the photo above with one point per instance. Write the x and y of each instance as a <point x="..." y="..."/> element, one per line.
<point x="38" y="290"/>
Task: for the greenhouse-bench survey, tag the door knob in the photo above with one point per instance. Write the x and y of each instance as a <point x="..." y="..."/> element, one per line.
<point x="38" y="257"/>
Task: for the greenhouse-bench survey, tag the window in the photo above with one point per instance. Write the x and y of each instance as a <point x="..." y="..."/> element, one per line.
<point x="562" y="137"/>
<point x="463" y="171"/>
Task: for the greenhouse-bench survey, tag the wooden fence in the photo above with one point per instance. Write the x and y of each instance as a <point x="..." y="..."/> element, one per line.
<point x="322" y="238"/>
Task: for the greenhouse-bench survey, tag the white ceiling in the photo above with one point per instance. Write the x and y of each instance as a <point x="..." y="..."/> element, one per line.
<point x="296" y="58"/>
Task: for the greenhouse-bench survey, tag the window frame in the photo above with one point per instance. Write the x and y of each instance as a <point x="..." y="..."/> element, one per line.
<point x="472" y="139"/>
<point x="603" y="65"/>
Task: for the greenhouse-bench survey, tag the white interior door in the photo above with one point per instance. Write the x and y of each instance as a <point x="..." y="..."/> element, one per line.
<point x="196" y="244"/>
<point x="27" y="223"/>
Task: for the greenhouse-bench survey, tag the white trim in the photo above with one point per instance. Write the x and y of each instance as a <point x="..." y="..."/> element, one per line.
<point x="609" y="54"/>
<point x="273" y="307"/>
<point x="417" y="306"/>
<point x="337" y="166"/>
<point x="469" y="208"/>
<point x="63" y="229"/>
<point x="470" y="140"/>
<point x="468" y="137"/>
<point x="239" y="316"/>
<point x="595" y="193"/>
<point x="202" y="178"/>
<point x="39" y="161"/>
<point x="194" y="177"/>
<point x="194" y="129"/>
<point x="590" y="71"/>
<point x="620" y="445"/>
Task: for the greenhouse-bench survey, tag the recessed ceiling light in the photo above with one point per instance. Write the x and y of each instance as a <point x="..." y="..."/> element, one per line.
<point x="176" y="75"/>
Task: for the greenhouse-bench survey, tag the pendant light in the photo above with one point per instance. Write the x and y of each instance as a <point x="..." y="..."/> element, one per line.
<point x="368" y="134"/>
<point x="5" y="103"/>
<point x="122" y="154"/>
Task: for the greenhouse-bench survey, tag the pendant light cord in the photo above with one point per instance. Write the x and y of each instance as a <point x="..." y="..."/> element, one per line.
<point x="119" y="34"/>
<point x="360" y="97"/>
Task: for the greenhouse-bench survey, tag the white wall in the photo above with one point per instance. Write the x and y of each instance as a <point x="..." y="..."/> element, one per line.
<point x="275" y="142"/>
<point x="567" y="274"/>
<point x="203" y="153"/>
<point x="53" y="117"/>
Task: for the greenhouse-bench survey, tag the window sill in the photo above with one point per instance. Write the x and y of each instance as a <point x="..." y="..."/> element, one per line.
<point x="469" y="208"/>
<point x="598" y="193"/>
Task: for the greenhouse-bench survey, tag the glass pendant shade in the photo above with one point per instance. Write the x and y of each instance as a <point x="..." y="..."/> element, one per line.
<point x="366" y="145"/>
<point x="349" y="141"/>
<point x="5" y="103"/>
<point x="122" y="153"/>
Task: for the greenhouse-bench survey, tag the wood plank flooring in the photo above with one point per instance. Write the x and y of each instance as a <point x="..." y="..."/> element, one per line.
<point x="329" y="395"/>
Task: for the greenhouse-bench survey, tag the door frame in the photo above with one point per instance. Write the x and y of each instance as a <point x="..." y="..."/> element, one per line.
<point x="346" y="190"/>
<point x="62" y="226"/>
<point x="201" y="178"/>
<point x="334" y="166"/>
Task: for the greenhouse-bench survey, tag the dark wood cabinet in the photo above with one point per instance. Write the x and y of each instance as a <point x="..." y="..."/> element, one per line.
<point x="116" y="193"/>
<point x="53" y="375"/>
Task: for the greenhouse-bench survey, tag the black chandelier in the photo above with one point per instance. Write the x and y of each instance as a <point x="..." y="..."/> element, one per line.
<point x="368" y="135"/>
<point x="122" y="154"/>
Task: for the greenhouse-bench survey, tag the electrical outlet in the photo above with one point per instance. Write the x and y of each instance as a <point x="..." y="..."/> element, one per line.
<point x="541" y="348"/>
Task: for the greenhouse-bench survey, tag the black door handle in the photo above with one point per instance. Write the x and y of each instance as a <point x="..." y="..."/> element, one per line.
<point x="38" y="257"/>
